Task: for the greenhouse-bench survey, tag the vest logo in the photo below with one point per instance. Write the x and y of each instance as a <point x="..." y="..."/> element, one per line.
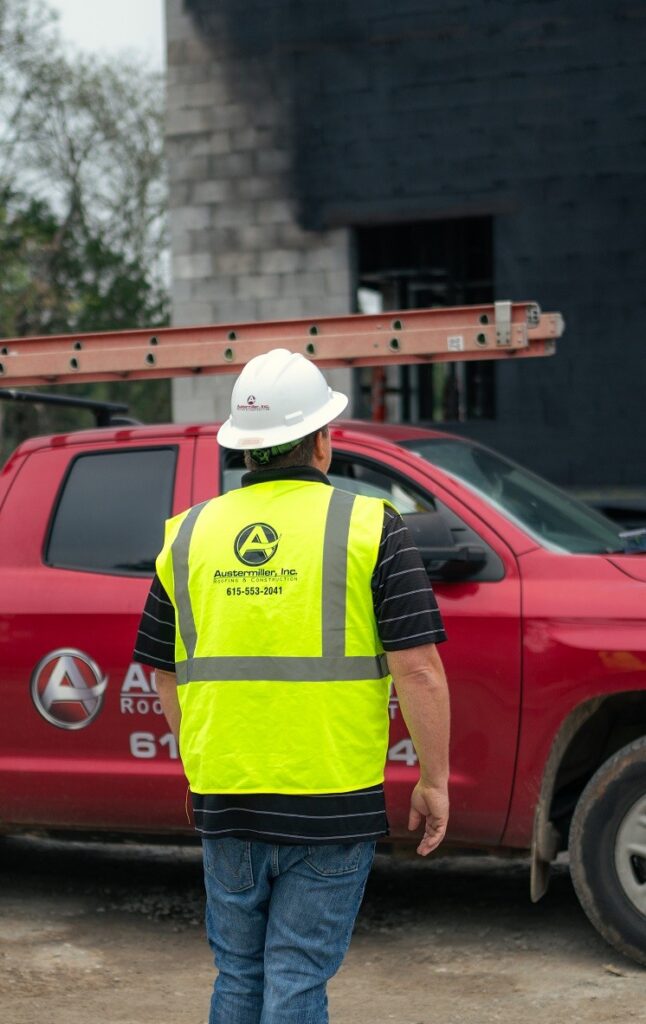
<point x="67" y="688"/>
<point x="256" y="544"/>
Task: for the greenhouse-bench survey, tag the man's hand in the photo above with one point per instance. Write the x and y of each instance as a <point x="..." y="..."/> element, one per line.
<point x="424" y="701"/>
<point x="431" y="804"/>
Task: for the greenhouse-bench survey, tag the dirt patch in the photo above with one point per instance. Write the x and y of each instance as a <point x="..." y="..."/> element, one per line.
<point x="113" y="933"/>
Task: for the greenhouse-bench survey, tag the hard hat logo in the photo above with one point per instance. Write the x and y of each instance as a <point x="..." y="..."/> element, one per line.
<point x="256" y="544"/>
<point x="252" y="405"/>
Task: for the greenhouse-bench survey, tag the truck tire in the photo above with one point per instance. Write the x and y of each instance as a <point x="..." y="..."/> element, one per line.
<point x="608" y="850"/>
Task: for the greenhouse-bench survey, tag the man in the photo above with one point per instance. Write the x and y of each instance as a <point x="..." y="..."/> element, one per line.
<point x="267" y="623"/>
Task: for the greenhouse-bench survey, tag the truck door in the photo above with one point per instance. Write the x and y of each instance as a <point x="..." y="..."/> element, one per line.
<point x="482" y="656"/>
<point x="83" y="742"/>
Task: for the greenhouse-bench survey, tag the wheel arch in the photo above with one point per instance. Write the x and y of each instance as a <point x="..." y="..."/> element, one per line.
<point x="591" y="733"/>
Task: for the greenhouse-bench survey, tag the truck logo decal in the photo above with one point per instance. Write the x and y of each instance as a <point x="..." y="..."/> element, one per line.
<point x="256" y="544"/>
<point x="138" y="692"/>
<point x="67" y="688"/>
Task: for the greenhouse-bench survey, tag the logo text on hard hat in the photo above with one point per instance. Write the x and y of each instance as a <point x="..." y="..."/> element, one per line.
<point x="256" y="544"/>
<point x="252" y="405"/>
<point x="67" y="688"/>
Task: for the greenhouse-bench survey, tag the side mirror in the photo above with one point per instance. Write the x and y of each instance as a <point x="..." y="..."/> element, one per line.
<point x="443" y="559"/>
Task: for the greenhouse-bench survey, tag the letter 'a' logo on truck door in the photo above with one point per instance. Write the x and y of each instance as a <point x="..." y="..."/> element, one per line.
<point x="67" y="688"/>
<point x="256" y="544"/>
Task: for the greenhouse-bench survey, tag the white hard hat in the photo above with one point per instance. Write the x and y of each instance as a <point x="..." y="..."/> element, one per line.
<point x="279" y="397"/>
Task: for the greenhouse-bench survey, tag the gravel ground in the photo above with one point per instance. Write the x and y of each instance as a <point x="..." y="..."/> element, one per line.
<point x="113" y="933"/>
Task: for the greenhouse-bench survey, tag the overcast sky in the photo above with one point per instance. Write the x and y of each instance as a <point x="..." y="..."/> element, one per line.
<point x="134" y="25"/>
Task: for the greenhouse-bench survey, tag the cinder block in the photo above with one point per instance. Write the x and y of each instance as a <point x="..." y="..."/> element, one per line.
<point x="186" y="218"/>
<point x="246" y="137"/>
<point x="290" y="234"/>
<point x="187" y="313"/>
<point x="324" y="258"/>
<point x="206" y="71"/>
<point x="275" y="211"/>
<point x="178" y="23"/>
<point x="198" y="264"/>
<point x="259" y="188"/>
<point x="179" y="195"/>
<point x="216" y="143"/>
<point x="256" y="236"/>
<point x="215" y="289"/>
<point x="229" y="115"/>
<point x="198" y="94"/>
<point x="326" y="305"/>
<point x="202" y="399"/>
<point x="257" y="286"/>
<point x="182" y="290"/>
<point x="192" y="49"/>
<point x="230" y="165"/>
<point x="236" y="311"/>
<point x="274" y="161"/>
<point x="181" y="242"/>
<point x="281" y="308"/>
<point x="192" y="168"/>
<point x="188" y="122"/>
<point x="302" y="284"/>
<point x="235" y="263"/>
<point x="281" y="261"/>
<point x="233" y="213"/>
<point x="205" y="192"/>
<point x="337" y="282"/>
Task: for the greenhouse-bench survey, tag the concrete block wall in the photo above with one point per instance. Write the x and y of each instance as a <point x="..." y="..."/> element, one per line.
<point x="238" y="250"/>
<point x="290" y="124"/>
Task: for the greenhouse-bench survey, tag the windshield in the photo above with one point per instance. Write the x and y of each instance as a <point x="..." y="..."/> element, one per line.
<point x="546" y="513"/>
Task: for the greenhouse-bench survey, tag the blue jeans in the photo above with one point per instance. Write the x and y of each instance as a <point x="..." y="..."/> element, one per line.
<point x="279" y="921"/>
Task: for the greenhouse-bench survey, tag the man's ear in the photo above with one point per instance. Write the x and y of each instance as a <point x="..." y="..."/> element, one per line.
<point x="321" y="457"/>
<point x="319" y="442"/>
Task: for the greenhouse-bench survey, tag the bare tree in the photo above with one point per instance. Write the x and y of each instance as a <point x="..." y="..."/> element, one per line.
<point x="82" y="199"/>
<point x="84" y="134"/>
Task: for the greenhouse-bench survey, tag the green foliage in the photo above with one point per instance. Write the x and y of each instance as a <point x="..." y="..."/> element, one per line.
<point x="82" y="197"/>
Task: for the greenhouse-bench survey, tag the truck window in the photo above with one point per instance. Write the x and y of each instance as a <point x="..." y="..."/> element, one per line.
<point x="374" y="481"/>
<point x="362" y="476"/>
<point x="554" y="519"/>
<point x="111" y="510"/>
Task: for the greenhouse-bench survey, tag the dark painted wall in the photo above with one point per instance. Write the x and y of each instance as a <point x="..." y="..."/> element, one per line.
<point x="533" y="112"/>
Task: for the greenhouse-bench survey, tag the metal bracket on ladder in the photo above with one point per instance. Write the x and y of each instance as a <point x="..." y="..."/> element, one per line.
<point x="503" y="324"/>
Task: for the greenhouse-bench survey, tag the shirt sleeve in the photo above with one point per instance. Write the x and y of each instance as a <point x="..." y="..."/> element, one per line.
<point x="405" y="606"/>
<point x="155" y="644"/>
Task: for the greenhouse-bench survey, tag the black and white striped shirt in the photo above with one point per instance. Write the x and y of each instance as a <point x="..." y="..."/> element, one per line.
<point x="407" y="616"/>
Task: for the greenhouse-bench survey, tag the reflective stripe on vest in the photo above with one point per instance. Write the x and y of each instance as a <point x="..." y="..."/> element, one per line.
<point x="309" y="670"/>
<point x="179" y="553"/>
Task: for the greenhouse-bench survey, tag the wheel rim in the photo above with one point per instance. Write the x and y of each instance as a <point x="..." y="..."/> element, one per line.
<point x="630" y="854"/>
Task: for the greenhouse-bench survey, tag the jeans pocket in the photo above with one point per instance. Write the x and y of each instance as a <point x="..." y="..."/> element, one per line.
<point x="229" y="862"/>
<point x="338" y="858"/>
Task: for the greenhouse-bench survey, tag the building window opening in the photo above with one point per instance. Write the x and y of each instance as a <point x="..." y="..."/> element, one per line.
<point x="420" y="265"/>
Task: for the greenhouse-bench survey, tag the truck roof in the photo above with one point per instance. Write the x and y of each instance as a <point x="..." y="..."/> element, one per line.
<point x="388" y="431"/>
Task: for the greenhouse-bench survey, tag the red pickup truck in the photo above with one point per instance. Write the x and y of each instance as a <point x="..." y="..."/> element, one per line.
<point x="545" y="607"/>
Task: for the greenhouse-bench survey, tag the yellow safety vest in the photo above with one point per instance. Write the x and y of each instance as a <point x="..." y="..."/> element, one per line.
<point x="282" y="679"/>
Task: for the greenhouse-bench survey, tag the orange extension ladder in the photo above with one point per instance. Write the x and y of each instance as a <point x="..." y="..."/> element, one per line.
<point x="501" y="330"/>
